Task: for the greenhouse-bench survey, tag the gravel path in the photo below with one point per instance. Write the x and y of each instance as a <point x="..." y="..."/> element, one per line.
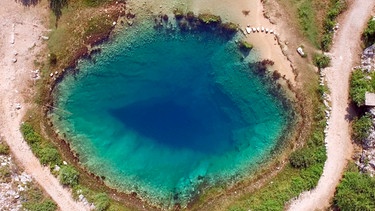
<point x="20" y="41"/>
<point x="339" y="146"/>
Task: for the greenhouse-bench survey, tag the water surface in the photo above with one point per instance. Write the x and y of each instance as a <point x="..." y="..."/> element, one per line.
<point x="165" y="114"/>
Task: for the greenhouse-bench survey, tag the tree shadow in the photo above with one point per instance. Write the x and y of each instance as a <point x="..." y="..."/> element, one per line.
<point x="28" y="3"/>
<point x="55" y="5"/>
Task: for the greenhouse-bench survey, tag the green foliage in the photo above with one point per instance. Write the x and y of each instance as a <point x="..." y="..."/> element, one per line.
<point x="208" y="19"/>
<point x="245" y="46"/>
<point x="35" y="200"/>
<point x="359" y="85"/>
<point x="321" y="60"/>
<point x="336" y="8"/>
<point x="101" y="202"/>
<point x="369" y="33"/>
<point x="4" y="148"/>
<point x="361" y="127"/>
<point x="46" y="205"/>
<point x="302" y="158"/>
<point x="5" y="174"/>
<point x="29" y="134"/>
<point x="356" y="192"/>
<point x="306" y="16"/>
<point x="43" y="150"/>
<point x="68" y="176"/>
<point x="326" y="41"/>
<point x="49" y="155"/>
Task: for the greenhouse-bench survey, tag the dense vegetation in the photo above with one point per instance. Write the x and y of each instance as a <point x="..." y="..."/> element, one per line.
<point x="356" y="191"/>
<point x="361" y="128"/>
<point x="321" y="60"/>
<point x="336" y="8"/>
<point x="360" y="83"/>
<point x="369" y="33"/>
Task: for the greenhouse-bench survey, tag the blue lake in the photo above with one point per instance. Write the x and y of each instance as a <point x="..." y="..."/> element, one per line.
<point x="166" y="114"/>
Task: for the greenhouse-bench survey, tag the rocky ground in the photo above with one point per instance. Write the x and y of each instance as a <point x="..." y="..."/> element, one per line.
<point x="14" y="184"/>
<point x="366" y="159"/>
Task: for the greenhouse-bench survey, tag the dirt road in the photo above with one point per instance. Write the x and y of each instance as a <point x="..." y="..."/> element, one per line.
<point x="20" y="41"/>
<point x="339" y="146"/>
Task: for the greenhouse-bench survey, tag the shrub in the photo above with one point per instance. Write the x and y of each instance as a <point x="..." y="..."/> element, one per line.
<point x="5" y="174"/>
<point x="245" y="46"/>
<point x="361" y="127"/>
<point x="101" y="202"/>
<point x="29" y="134"/>
<point x="336" y="8"/>
<point x="49" y="155"/>
<point x="356" y="192"/>
<point x="369" y="33"/>
<point x="321" y="60"/>
<point x="68" y="176"/>
<point x="209" y="18"/>
<point x="358" y="87"/>
<point x="326" y="42"/>
<point x="4" y="149"/>
<point x="302" y="158"/>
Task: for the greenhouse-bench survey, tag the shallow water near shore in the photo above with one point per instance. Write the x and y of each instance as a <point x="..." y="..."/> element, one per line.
<point x="164" y="114"/>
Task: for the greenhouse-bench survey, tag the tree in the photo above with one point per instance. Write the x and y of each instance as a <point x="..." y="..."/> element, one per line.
<point x="68" y="176"/>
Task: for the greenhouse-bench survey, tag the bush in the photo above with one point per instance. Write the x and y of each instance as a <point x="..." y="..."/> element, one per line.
<point x="4" y="149"/>
<point x="101" y="202"/>
<point x="336" y="8"/>
<point x="68" y="176"/>
<point x="302" y="158"/>
<point x="321" y="60"/>
<point x="245" y="46"/>
<point x="356" y="192"/>
<point x="369" y="33"/>
<point x="358" y="87"/>
<point x="361" y="127"/>
<point x="29" y="134"/>
<point x="5" y="174"/>
<point x="49" y="155"/>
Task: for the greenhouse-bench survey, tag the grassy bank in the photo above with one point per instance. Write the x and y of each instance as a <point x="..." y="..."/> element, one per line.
<point x="316" y="19"/>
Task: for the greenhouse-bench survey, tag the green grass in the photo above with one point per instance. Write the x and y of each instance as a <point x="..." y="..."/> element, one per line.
<point x="306" y="16"/>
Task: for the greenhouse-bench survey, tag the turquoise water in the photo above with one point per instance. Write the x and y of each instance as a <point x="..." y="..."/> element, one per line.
<point x="167" y="114"/>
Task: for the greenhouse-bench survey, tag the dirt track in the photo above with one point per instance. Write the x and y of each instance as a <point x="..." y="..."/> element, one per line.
<point x="24" y="26"/>
<point x="339" y="146"/>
